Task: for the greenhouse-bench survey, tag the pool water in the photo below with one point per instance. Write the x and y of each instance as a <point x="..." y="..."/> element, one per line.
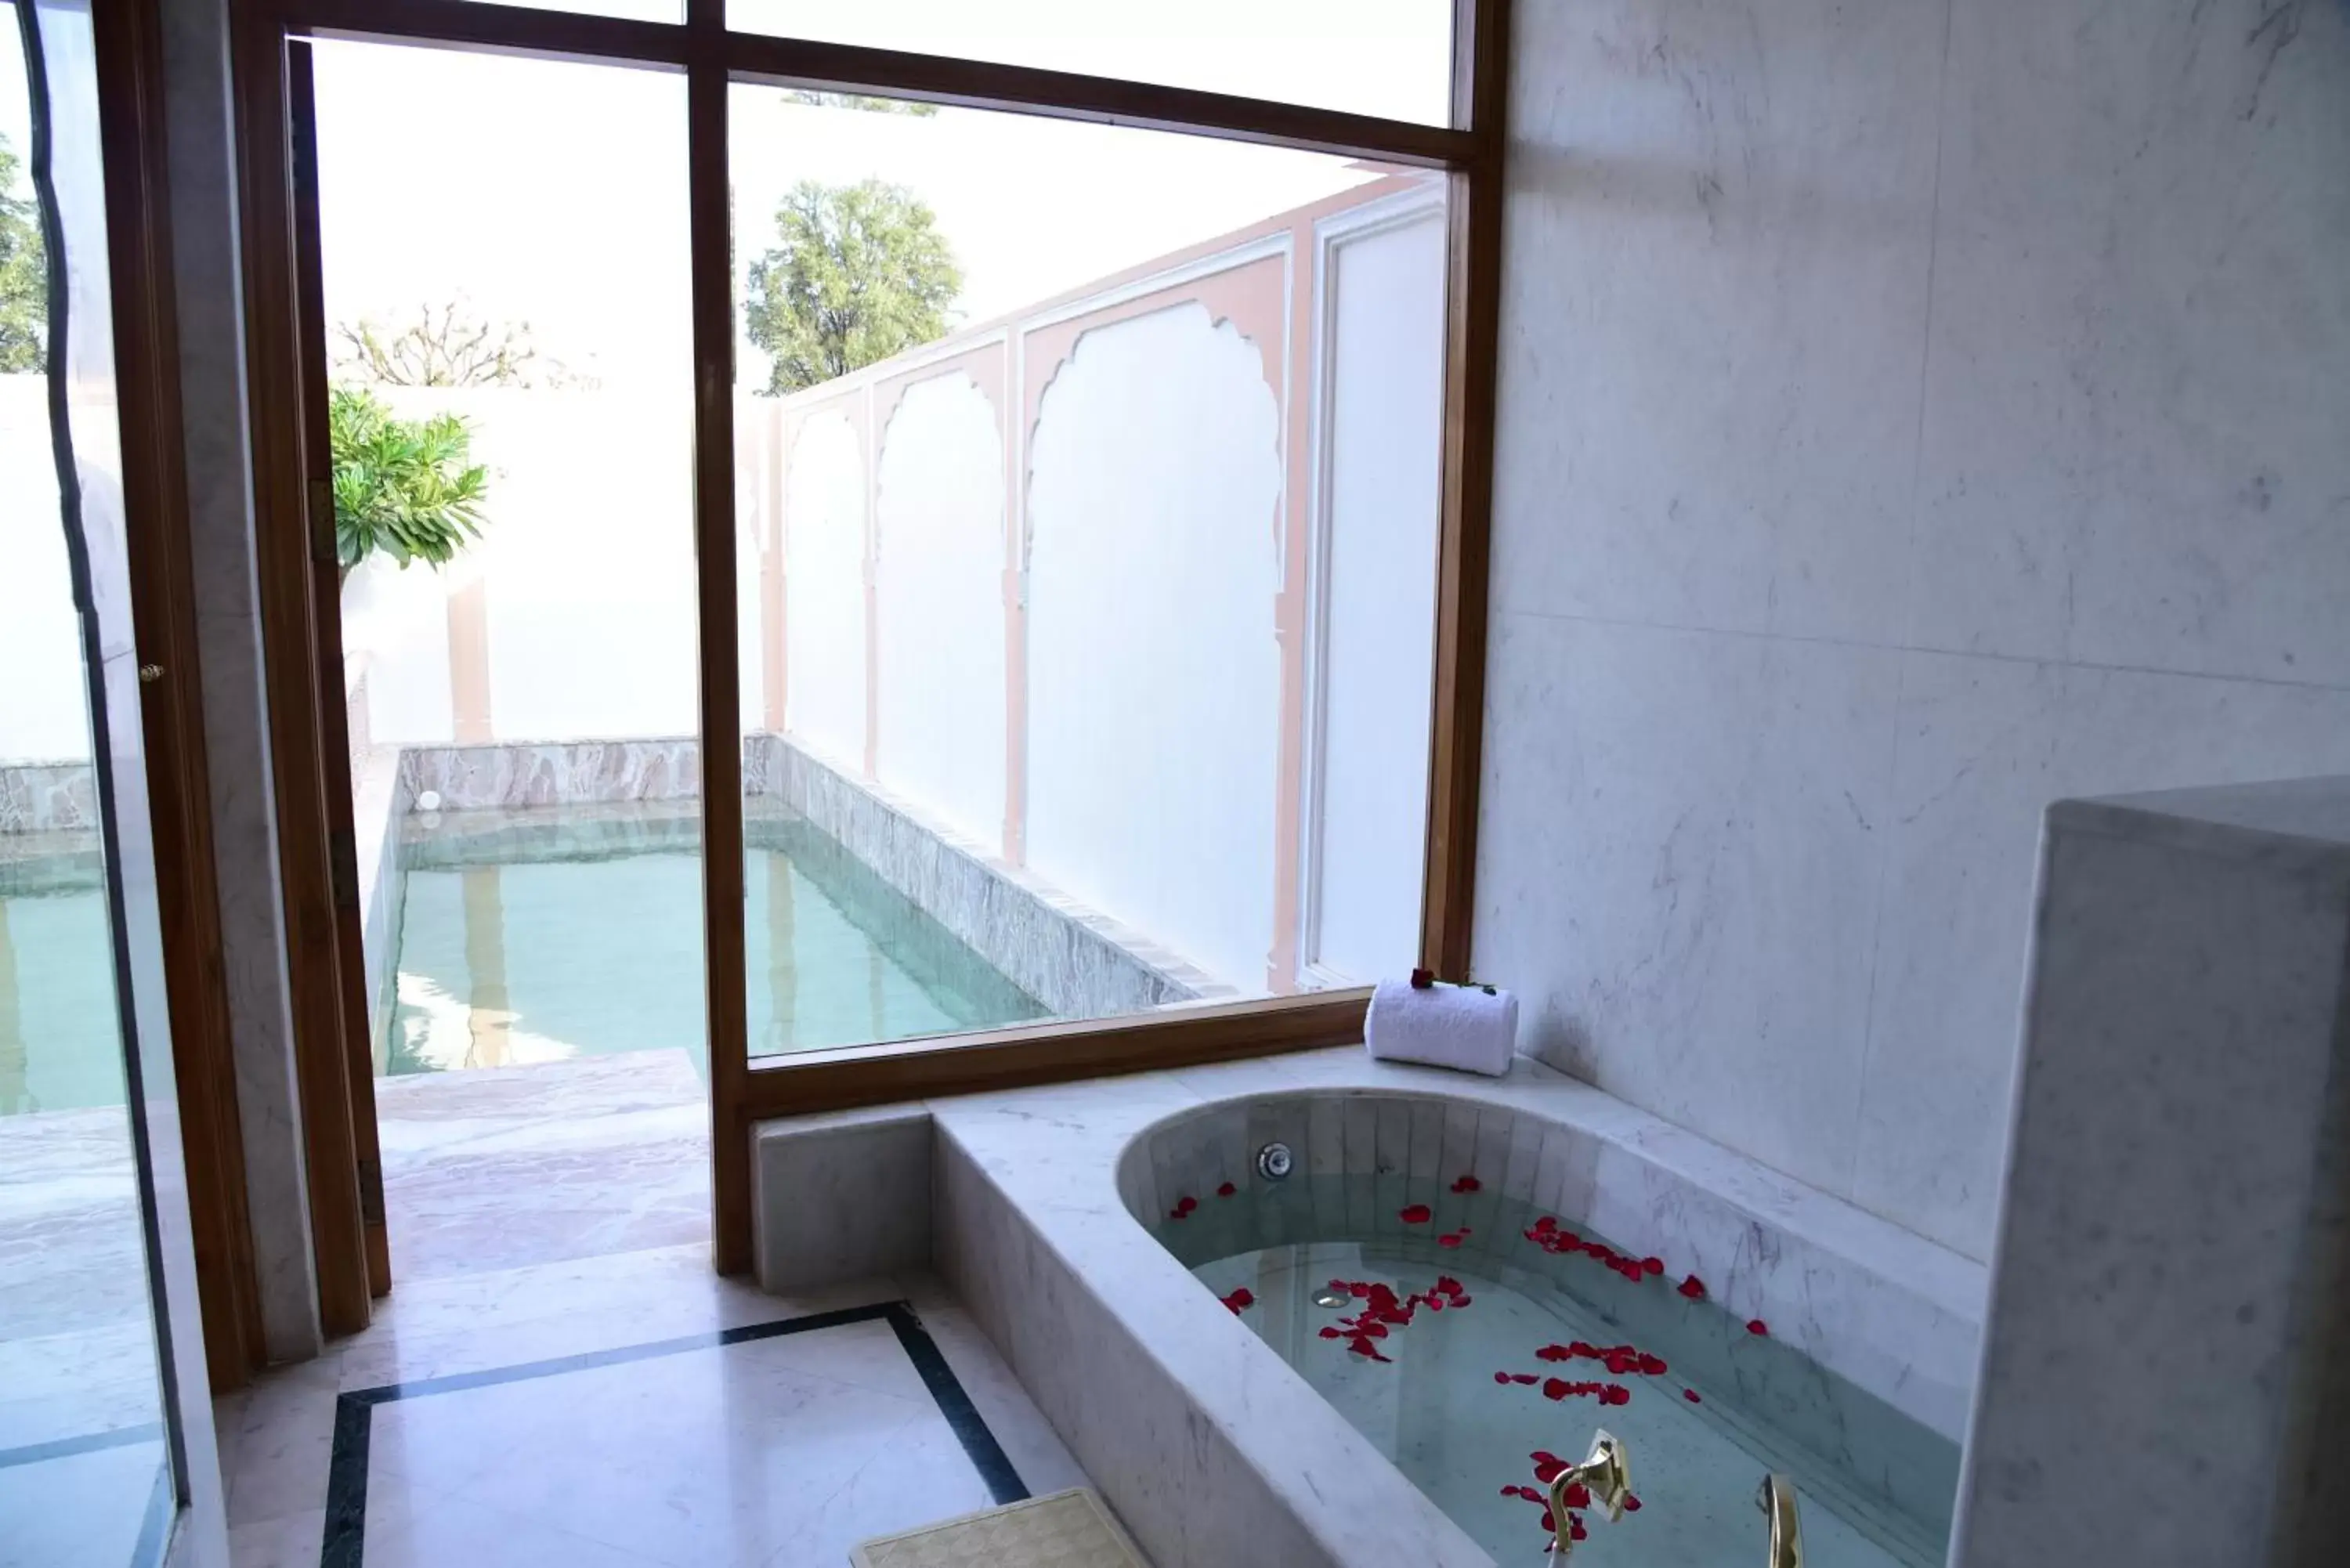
<point x="59" y="1049"/>
<point x="534" y="936"/>
<point x="1462" y="1403"/>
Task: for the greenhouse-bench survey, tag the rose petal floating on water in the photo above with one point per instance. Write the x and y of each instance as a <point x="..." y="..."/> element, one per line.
<point x="1575" y="1531"/>
<point x="1466" y="1184"/>
<point x="1691" y="1394"/>
<point x="1577" y="1495"/>
<point x="1631" y="1504"/>
<point x="1524" y="1377"/>
<point x="1449" y="1240"/>
<point x="1241" y="1300"/>
<point x="1692" y="1287"/>
<point x="1756" y="1325"/>
<point x="1415" y="1213"/>
<point x="1226" y="1190"/>
<point x="1653" y="1366"/>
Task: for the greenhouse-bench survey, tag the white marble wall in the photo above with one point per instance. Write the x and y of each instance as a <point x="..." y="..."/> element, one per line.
<point x="1911" y="413"/>
<point x="2174" y="1244"/>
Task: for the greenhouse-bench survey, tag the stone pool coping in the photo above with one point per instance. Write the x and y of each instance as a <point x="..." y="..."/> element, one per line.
<point x="1212" y="1448"/>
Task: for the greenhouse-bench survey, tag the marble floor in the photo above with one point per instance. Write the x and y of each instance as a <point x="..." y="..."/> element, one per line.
<point x="628" y="1409"/>
<point x="557" y="1377"/>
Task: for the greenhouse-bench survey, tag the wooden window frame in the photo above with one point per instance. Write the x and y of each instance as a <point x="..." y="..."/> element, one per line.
<point x="306" y="722"/>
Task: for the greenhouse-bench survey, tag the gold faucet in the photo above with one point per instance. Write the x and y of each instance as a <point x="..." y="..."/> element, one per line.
<point x="1605" y="1472"/>
<point x="1776" y="1499"/>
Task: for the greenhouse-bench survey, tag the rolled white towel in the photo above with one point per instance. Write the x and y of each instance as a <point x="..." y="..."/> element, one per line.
<point x="1463" y="1026"/>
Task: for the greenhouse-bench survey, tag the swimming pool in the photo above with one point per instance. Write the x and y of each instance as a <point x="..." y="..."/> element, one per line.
<point x="541" y="934"/>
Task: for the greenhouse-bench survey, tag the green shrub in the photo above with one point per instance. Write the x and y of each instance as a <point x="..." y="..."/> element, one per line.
<point x="408" y="488"/>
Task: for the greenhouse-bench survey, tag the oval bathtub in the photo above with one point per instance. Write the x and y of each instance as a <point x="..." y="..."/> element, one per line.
<point x="1427" y="1301"/>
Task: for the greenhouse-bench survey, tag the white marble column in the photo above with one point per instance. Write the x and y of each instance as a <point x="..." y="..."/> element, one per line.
<point x="207" y="279"/>
<point x="2166" y="1374"/>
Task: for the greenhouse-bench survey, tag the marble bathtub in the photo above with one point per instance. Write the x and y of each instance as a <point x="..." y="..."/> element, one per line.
<point x="1211" y="1447"/>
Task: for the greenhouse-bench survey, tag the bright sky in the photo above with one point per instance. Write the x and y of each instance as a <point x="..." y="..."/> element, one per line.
<point x="554" y="192"/>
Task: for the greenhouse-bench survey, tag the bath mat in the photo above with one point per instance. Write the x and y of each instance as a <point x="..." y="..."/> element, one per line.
<point x="1067" y="1529"/>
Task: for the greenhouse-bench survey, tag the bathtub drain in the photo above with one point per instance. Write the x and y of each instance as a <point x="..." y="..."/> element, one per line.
<point x="1273" y="1162"/>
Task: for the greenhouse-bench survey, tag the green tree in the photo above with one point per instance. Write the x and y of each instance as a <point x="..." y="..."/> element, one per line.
<point x="408" y="488"/>
<point x="858" y="272"/>
<point x="24" y="277"/>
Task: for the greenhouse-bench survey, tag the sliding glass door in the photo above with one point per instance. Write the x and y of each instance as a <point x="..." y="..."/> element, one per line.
<point x="1063" y="657"/>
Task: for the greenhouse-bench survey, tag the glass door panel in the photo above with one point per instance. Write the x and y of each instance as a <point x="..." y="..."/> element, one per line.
<point x="87" y="1427"/>
<point x="510" y="363"/>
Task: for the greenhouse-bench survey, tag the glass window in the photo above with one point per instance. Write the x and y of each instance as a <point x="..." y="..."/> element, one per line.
<point x="1386" y="57"/>
<point x="1087" y="503"/>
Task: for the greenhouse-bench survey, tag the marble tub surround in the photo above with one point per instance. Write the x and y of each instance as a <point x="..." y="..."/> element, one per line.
<point x="552" y="773"/>
<point x="2174" y="1254"/>
<point x="841" y="1196"/>
<point x="46" y="797"/>
<point x="1076" y="961"/>
<point x="1170" y="1403"/>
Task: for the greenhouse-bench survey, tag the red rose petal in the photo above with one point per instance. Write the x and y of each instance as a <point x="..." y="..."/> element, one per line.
<point x="1548" y="1523"/>
<point x="1577" y="1495"/>
<point x="1330" y="1333"/>
<point x="1652" y="1265"/>
<point x="1631" y="1504"/>
<point x="1615" y="1393"/>
<point x="1554" y="1389"/>
<point x="1502" y="1378"/>
<point x="1226" y="1190"/>
<point x="1179" y="1214"/>
<point x="1756" y="1325"/>
<point x="1241" y="1300"/>
<point x="1466" y="1184"/>
<point x="1543" y="1457"/>
<point x="1451" y="1240"/>
<point x="1575" y="1531"/>
<point x="1461" y="1300"/>
<point x="1692" y="1287"/>
<point x="1415" y="1214"/>
<point x="1691" y="1394"/>
<point x="1546" y="1225"/>
<point x="1524" y="1377"/>
<point x="1653" y="1366"/>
